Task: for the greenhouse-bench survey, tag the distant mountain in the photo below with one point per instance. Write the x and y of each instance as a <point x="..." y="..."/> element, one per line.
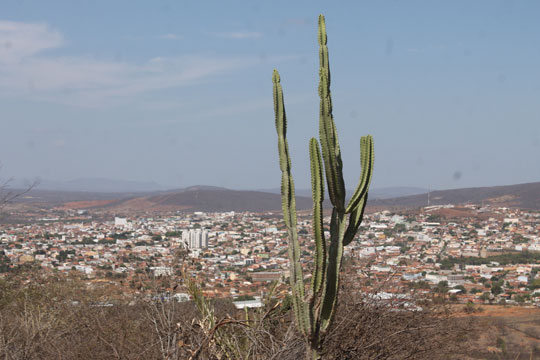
<point x="376" y="193"/>
<point x="55" y="197"/>
<point x="208" y="199"/>
<point x="298" y="192"/>
<point x="394" y="192"/>
<point x="214" y="199"/>
<point x="202" y="188"/>
<point x="526" y="196"/>
<point x="100" y="185"/>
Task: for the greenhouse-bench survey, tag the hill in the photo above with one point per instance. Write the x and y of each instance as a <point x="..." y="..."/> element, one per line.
<point x="227" y="200"/>
<point x="216" y="199"/>
<point x="525" y="196"/>
<point x="93" y="185"/>
<point x="375" y="193"/>
<point x="204" y="198"/>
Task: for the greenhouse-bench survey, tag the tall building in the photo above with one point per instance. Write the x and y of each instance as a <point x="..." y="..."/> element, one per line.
<point x="195" y="238"/>
<point x="119" y="221"/>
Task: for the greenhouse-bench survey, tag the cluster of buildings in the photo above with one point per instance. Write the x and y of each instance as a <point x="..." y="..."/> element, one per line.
<point x="464" y="254"/>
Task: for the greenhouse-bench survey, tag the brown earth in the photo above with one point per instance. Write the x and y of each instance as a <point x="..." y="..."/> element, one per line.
<point x="504" y="332"/>
<point x="76" y="205"/>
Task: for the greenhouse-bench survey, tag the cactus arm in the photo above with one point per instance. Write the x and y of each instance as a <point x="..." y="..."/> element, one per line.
<point x="367" y="160"/>
<point x="355" y="219"/>
<point x="288" y="203"/>
<point x="335" y="254"/>
<point x="317" y="186"/>
<point x="327" y="128"/>
<point x="358" y="202"/>
<point x="287" y="184"/>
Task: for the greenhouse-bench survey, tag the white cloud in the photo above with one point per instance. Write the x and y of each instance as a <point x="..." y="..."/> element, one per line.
<point x="239" y="35"/>
<point x="84" y="81"/>
<point x="170" y="37"/>
<point x="253" y="106"/>
<point x="19" y="40"/>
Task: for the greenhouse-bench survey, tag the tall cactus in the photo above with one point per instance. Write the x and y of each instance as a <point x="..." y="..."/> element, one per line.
<point x="314" y="311"/>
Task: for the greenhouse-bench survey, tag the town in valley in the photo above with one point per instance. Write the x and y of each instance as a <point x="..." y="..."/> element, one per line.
<point x="466" y="254"/>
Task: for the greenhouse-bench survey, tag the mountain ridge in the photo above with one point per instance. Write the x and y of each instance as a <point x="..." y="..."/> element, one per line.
<point x="524" y="195"/>
<point x="215" y="199"/>
<point x="375" y="193"/>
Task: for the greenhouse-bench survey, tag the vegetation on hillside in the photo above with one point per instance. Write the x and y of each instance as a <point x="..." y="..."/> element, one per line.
<point x="64" y="317"/>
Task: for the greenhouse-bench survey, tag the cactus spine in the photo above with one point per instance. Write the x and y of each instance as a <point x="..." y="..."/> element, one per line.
<point x="314" y="312"/>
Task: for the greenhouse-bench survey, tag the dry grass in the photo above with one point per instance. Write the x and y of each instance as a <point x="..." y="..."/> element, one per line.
<point x="61" y="318"/>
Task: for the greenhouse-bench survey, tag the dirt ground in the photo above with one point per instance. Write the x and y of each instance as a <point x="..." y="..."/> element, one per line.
<point x="504" y="332"/>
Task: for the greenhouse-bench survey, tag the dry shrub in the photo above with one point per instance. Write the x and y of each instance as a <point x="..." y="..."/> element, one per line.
<point x="61" y="318"/>
<point x="370" y="328"/>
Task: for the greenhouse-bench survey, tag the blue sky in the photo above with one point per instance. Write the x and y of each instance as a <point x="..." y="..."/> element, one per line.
<point x="179" y="92"/>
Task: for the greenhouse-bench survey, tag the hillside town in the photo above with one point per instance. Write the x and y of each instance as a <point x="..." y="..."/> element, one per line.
<point x="463" y="254"/>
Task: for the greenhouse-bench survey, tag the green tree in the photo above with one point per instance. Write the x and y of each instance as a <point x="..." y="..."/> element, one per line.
<point x="496" y="290"/>
<point x="485" y="296"/>
<point x="442" y="287"/>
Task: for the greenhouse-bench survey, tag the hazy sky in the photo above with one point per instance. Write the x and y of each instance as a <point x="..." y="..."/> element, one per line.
<point x="180" y="92"/>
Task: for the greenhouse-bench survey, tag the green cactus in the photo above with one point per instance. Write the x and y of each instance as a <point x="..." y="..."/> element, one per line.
<point x="314" y="311"/>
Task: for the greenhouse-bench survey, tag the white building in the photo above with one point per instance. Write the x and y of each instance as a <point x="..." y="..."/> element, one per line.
<point x="162" y="270"/>
<point x="195" y="238"/>
<point x="118" y="221"/>
<point x="248" y="304"/>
